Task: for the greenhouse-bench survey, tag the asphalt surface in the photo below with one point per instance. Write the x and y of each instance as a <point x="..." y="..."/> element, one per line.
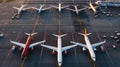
<point x="51" y="22"/>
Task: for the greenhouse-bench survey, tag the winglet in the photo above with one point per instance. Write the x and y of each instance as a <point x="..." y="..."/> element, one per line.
<point x="31" y="34"/>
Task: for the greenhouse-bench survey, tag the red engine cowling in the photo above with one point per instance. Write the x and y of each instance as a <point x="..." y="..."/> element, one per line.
<point x="53" y="52"/>
<point x="65" y="52"/>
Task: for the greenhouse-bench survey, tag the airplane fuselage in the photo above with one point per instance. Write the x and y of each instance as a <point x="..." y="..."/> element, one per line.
<point x="59" y="49"/>
<point x="25" y="49"/>
<point x="76" y="9"/>
<point x="20" y="9"/>
<point x="59" y="7"/>
<point x="59" y="56"/>
<point x="89" y="47"/>
<point x="92" y="7"/>
<point x="40" y="9"/>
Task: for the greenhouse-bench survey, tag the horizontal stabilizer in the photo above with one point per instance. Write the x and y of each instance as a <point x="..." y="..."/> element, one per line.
<point x="84" y="34"/>
<point x="59" y="35"/>
<point x="31" y="34"/>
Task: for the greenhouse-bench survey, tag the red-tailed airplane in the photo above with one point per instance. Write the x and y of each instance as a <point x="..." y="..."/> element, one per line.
<point x="27" y="45"/>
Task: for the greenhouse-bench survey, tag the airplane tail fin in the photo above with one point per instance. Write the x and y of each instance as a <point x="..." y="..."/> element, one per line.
<point x="84" y="32"/>
<point x="31" y="34"/>
<point x="59" y="35"/>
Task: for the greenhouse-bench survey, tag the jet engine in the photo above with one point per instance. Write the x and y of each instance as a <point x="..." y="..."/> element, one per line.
<point x="84" y="49"/>
<point x="53" y="52"/>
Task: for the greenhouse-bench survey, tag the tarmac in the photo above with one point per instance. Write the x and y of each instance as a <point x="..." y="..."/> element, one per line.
<point x="51" y="22"/>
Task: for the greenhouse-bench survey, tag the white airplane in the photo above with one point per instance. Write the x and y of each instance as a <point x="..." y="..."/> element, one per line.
<point x="41" y="8"/>
<point x="27" y="45"/>
<point x="107" y="3"/>
<point x="93" y="8"/>
<point x="76" y="9"/>
<point x="22" y="8"/>
<point x="59" y="7"/>
<point x="59" y="49"/>
<point x="89" y="46"/>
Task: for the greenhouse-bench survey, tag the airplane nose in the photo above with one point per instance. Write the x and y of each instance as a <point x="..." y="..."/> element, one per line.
<point x="59" y="64"/>
<point x="94" y="59"/>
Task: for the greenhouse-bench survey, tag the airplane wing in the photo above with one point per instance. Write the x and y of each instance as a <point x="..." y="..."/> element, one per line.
<point x="71" y="9"/>
<point x="35" y="8"/>
<point x="82" y="9"/>
<point x="80" y="44"/>
<point x="49" y="47"/>
<point x="68" y="47"/>
<point x="26" y="8"/>
<point x="46" y="8"/>
<point x="37" y="43"/>
<point x="18" y="44"/>
<point x="64" y="7"/>
<point x="55" y="6"/>
<point x="98" y="44"/>
<point x="16" y="8"/>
